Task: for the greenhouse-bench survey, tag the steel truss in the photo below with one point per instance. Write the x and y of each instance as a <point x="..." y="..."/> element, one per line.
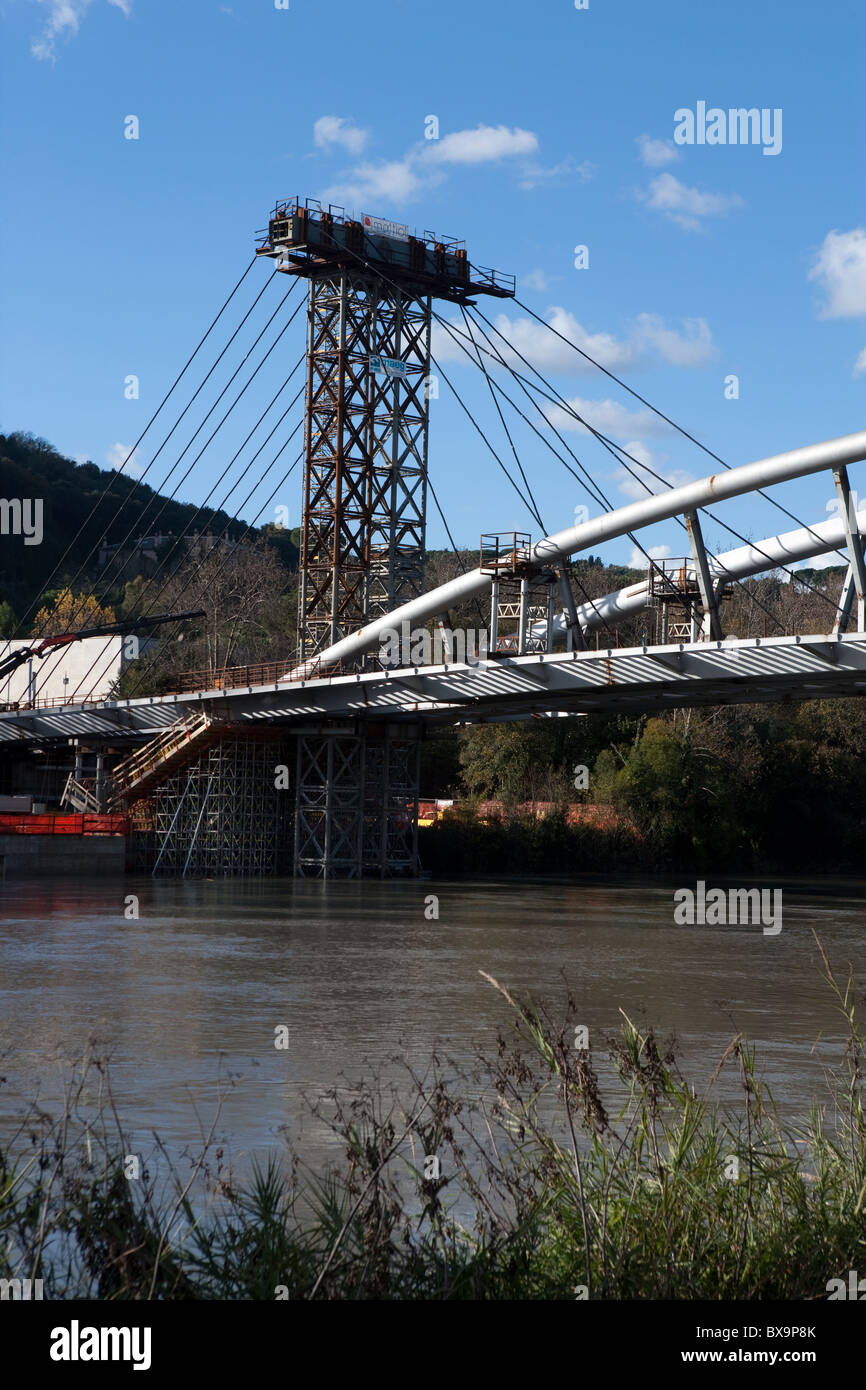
<point x="357" y="803"/>
<point x="365" y="476"/>
<point x="222" y="815"/>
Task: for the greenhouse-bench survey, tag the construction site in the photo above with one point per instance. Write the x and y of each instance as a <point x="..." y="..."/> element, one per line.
<point x="309" y="765"/>
<point x="205" y="798"/>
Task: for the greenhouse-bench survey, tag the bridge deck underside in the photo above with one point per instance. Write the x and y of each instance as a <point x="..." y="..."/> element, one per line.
<point x="635" y="680"/>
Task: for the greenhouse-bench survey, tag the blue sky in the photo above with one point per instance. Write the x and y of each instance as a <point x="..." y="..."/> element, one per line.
<point x="556" y="129"/>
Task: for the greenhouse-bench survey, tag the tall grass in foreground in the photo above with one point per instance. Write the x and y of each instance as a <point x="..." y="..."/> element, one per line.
<point x="651" y="1192"/>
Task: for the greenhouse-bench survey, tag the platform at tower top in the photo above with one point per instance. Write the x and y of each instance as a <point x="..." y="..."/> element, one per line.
<point x="306" y="239"/>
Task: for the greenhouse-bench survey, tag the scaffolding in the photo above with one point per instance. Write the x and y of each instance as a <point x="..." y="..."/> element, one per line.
<point x="676" y="598"/>
<point x="227" y="812"/>
<point x="522" y="594"/>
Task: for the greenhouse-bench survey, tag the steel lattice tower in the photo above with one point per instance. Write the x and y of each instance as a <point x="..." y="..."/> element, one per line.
<point x="371" y="292"/>
<point x="365" y="473"/>
<point x="372" y="287"/>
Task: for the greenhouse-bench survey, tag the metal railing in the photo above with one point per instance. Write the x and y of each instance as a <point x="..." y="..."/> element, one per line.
<point x="155" y="755"/>
<point x="259" y="673"/>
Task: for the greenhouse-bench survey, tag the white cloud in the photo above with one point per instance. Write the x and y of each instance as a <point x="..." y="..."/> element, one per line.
<point x="541" y="347"/>
<point x="480" y="146"/>
<point x="860" y="364"/>
<point x="544" y="350"/>
<point x="840" y="269"/>
<point x="638" y="561"/>
<point x="115" y="456"/>
<point x="691" y="348"/>
<point x="648" y="340"/>
<point x="63" y="22"/>
<point x="423" y="166"/>
<point x="339" y="130"/>
<point x="607" y="416"/>
<point x="655" y="153"/>
<point x="391" y="183"/>
<point x="686" y="206"/>
<point x="638" y="452"/>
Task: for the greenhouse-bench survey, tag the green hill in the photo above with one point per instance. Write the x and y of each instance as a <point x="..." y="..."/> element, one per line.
<point x="32" y="468"/>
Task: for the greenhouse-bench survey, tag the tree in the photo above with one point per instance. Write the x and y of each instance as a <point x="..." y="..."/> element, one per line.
<point x="8" y="620"/>
<point x="69" y="613"/>
<point x="245" y="593"/>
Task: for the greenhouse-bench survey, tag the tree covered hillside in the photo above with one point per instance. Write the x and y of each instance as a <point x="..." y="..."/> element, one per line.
<point x="124" y="511"/>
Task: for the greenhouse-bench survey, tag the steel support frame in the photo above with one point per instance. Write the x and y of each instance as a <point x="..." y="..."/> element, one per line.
<point x="356" y="803"/>
<point x="797" y="463"/>
<point x="709" y="600"/>
<point x="854" y="542"/>
<point x="365" y="473"/>
<point x="846" y="602"/>
<point x="576" y="638"/>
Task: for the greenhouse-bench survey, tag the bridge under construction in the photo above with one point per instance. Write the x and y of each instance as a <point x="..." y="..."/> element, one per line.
<point x="311" y="765"/>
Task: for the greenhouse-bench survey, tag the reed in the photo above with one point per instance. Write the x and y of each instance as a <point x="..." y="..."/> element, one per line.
<point x="545" y="1185"/>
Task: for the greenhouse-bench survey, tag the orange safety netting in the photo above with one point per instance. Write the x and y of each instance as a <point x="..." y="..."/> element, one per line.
<point x="13" y="823"/>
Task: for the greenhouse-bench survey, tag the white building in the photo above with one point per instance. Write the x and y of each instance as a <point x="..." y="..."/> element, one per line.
<point x="85" y="670"/>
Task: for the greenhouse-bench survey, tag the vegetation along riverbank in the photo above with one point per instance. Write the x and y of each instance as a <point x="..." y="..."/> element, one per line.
<point x="525" y="1180"/>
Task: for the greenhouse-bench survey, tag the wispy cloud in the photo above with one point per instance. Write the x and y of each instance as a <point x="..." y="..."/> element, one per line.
<point x="389" y="184"/>
<point x="535" y="280"/>
<point x="482" y="145"/>
<point x="647" y="340"/>
<point x="688" y="207"/>
<point x="62" y="22"/>
<point x="656" y="153"/>
<point x="638" y="561"/>
<point x="567" y="170"/>
<point x="608" y="417"/>
<point x="340" y="131"/>
<point x="426" y="163"/>
<point x="691" y="347"/>
<point x="640" y="482"/>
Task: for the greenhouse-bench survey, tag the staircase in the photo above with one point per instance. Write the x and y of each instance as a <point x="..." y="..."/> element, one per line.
<point x="136" y="776"/>
<point x="80" y="795"/>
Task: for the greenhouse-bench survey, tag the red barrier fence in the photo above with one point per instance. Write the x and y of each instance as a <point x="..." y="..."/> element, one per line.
<point x="11" y="823"/>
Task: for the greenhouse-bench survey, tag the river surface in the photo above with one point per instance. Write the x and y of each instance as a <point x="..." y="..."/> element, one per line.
<point x="186" y="998"/>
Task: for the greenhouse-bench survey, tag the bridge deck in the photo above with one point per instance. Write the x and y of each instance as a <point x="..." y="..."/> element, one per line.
<point x="631" y="680"/>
